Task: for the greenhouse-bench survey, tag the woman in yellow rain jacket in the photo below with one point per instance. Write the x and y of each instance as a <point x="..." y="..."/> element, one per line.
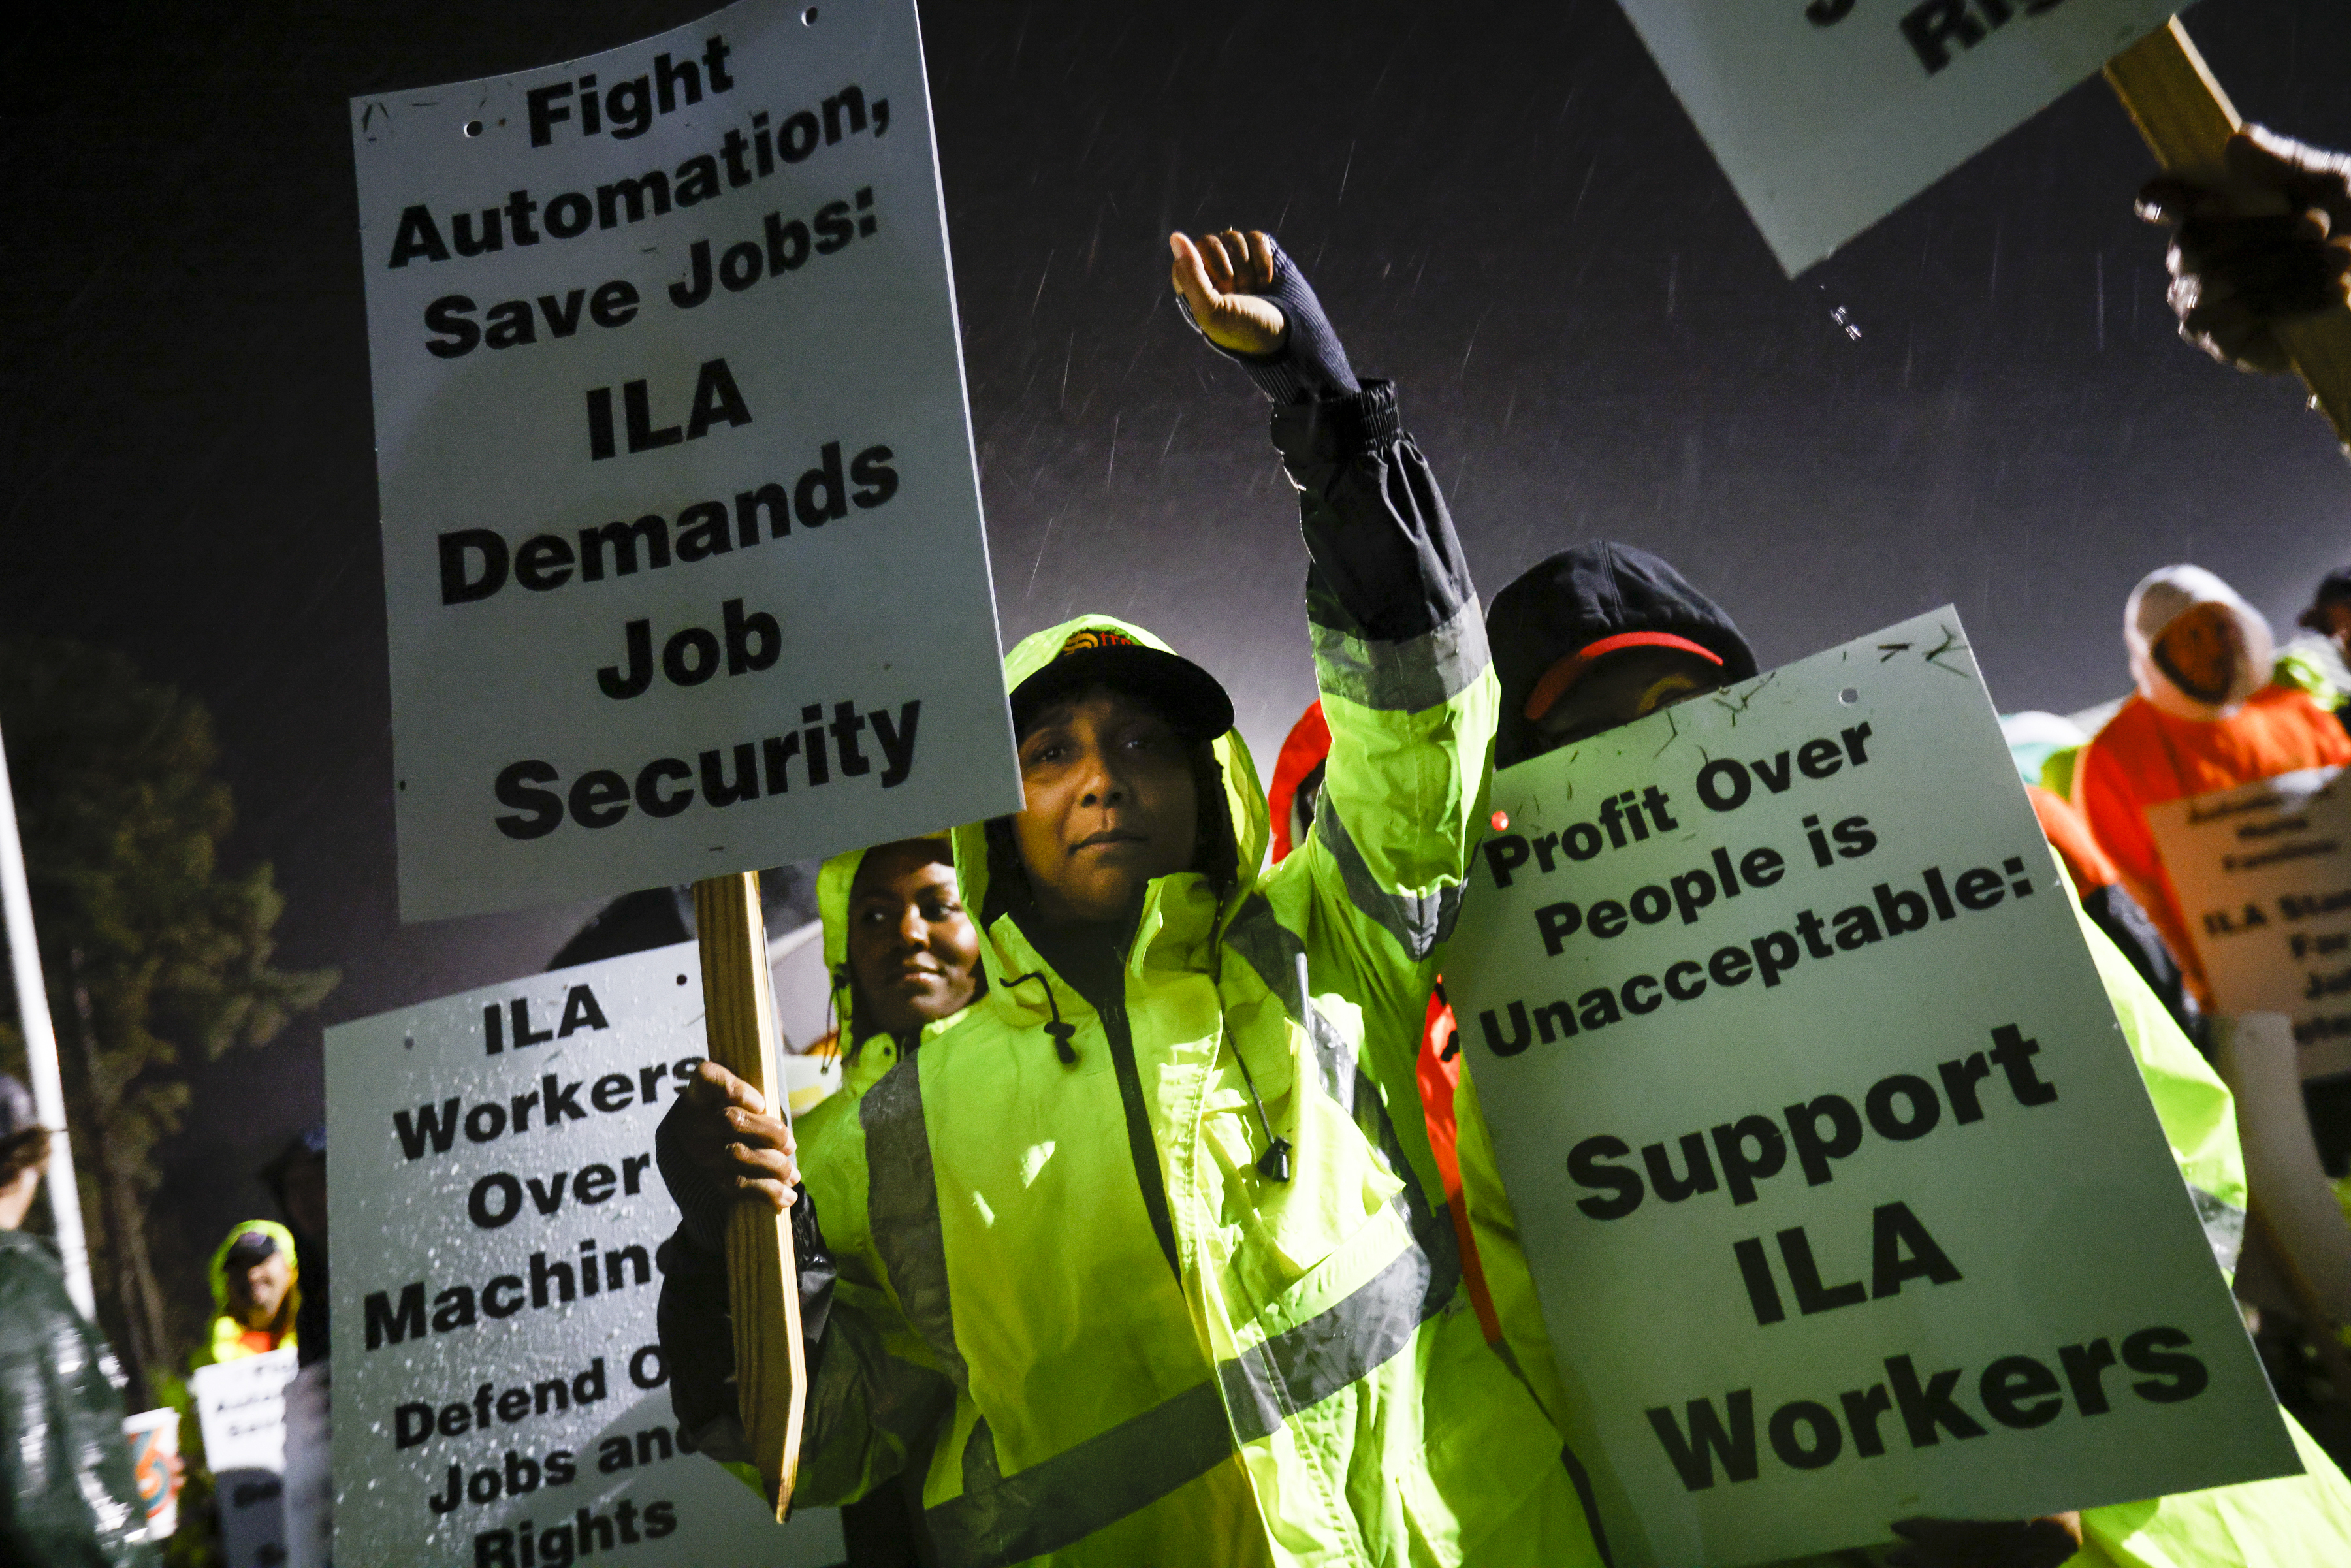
<point x="1149" y="1248"/>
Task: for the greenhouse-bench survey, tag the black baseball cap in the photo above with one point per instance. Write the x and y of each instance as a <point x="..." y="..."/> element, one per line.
<point x="1106" y="654"/>
<point x="2334" y="588"/>
<point x="250" y="1248"/>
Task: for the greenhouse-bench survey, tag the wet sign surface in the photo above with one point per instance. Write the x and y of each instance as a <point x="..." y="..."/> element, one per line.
<point x="1841" y="1191"/>
<point x="500" y="1396"/>
<point x="683" y="550"/>
<point x="1829" y="114"/>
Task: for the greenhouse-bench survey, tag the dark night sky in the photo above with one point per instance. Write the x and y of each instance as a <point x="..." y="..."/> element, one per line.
<point x="1502" y="206"/>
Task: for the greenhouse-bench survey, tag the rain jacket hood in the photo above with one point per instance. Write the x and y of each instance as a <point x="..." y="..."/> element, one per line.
<point x="1563" y="604"/>
<point x="227" y="1338"/>
<point x="1303" y="752"/>
<point x="866" y="1053"/>
<point x="269" y="1227"/>
<point x="2162" y="597"/>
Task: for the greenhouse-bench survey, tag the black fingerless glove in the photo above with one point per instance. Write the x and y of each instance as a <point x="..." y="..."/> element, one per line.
<point x="1310" y="365"/>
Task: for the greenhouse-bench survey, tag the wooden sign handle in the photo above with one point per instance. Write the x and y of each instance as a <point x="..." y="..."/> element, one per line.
<point x="2187" y="120"/>
<point x="762" y="1272"/>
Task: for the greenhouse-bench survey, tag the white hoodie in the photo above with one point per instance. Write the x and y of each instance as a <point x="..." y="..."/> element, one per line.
<point x="2162" y="597"/>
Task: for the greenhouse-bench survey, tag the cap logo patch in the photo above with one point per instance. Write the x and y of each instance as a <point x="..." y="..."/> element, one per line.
<point x="1095" y="637"/>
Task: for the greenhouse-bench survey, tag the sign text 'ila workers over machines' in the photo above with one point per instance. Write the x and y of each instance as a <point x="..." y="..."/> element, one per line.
<point x="682" y="536"/>
<point x="501" y="1399"/>
<point x="1842" y="1193"/>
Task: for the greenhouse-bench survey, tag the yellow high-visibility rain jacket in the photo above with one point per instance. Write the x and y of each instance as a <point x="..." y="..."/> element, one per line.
<point x="1126" y="1344"/>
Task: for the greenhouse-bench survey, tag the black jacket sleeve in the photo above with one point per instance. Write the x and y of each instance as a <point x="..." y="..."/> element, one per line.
<point x="1387" y="567"/>
<point x="693" y="1323"/>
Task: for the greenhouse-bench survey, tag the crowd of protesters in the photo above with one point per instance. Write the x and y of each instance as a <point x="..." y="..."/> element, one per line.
<point x="1155" y="1213"/>
<point x="1086" y="1261"/>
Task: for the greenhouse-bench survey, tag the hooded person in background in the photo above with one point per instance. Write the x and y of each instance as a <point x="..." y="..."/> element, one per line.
<point x="69" y="1498"/>
<point x="2327" y="646"/>
<point x="1142" y="1247"/>
<point x="2206" y="716"/>
<point x="1604" y="635"/>
<point x="903" y="957"/>
<point x="256" y="1294"/>
<point x="297" y="1178"/>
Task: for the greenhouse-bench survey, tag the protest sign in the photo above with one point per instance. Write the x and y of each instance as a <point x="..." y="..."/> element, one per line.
<point x="2264" y="877"/>
<point x="1827" y="116"/>
<point x="683" y="552"/>
<point x="1843" y="1195"/>
<point x="241" y="1407"/>
<point x="500" y="1395"/>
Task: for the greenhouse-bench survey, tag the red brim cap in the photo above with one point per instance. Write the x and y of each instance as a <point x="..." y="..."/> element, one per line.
<point x="1559" y="677"/>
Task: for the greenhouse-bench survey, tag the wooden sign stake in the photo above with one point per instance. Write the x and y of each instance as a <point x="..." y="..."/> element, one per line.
<point x="762" y="1272"/>
<point x="2188" y="121"/>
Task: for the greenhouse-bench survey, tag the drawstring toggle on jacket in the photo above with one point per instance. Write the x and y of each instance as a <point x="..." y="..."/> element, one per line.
<point x="1059" y="1030"/>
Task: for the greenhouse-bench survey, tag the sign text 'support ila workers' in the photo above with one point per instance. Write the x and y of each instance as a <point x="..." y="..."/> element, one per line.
<point x="1838" y="1180"/>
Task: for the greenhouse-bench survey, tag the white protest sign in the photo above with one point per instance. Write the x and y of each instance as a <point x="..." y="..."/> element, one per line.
<point x="1844" y="1197"/>
<point x="241" y="1407"/>
<point x="683" y="551"/>
<point x="2264" y="876"/>
<point x="1828" y="115"/>
<point x="500" y="1395"/>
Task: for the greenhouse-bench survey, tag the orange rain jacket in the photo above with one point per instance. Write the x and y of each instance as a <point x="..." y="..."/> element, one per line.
<point x="2164" y="744"/>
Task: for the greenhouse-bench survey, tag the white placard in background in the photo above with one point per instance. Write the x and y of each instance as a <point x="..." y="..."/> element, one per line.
<point x="241" y="1407"/>
<point x="683" y="551"/>
<point x="495" y="1213"/>
<point x="1844" y="1197"/>
<point x="2264" y="876"/>
<point x="1829" y="114"/>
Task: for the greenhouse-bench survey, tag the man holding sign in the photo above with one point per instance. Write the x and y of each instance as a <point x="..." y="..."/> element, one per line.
<point x="1603" y="636"/>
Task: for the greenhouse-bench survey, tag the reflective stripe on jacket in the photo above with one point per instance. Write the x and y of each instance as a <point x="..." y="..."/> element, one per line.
<point x="1128" y="1345"/>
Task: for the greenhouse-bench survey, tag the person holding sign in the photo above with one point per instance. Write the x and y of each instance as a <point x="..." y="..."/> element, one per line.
<point x="903" y="957"/>
<point x="1149" y="1248"/>
<point x="2208" y="716"/>
<point x="1604" y="635"/>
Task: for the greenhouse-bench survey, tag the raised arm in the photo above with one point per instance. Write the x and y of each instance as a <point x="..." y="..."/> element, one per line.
<point x="1399" y="637"/>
